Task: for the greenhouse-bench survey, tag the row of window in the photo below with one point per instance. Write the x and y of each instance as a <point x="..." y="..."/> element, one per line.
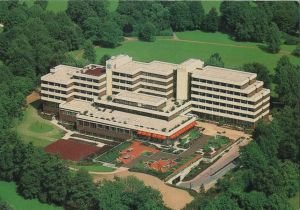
<point x="216" y="83"/>
<point x="101" y="126"/>
<point x="54" y="90"/>
<point x="154" y="88"/>
<point x="54" y="97"/>
<point x="86" y="92"/>
<point x="122" y="81"/>
<point x="223" y="97"/>
<point x="224" y="111"/>
<point x="143" y="73"/>
<point x="121" y="87"/>
<point x="220" y="90"/>
<point x="83" y="98"/>
<point x="86" y="79"/>
<point x="223" y="104"/>
<point x="54" y="84"/>
<point x="86" y="86"/>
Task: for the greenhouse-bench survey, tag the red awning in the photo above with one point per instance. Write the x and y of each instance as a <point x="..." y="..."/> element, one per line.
<point x="183" y="130"/>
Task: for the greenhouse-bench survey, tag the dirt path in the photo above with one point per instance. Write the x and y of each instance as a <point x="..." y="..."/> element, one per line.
<point x="34" y="96"/>
<point x="173" y="198"/>
<point x="176" y="39"/>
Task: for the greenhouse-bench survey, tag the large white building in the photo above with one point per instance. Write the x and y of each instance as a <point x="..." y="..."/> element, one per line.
<point x="154" y="100"/>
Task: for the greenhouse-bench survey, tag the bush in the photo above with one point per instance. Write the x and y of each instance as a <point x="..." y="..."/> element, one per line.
<point x="296" y="51"/>
<point x="147" y="33"/>
<point x="291" y="40"/>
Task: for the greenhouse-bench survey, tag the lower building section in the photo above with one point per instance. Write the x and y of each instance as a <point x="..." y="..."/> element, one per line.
<point x="51" y="107"/>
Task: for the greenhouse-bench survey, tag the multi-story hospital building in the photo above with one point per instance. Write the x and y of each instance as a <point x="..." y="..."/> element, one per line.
<point x="155" y="100"/>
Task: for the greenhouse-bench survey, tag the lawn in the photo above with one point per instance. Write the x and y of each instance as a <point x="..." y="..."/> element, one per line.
<point x="295" y="202"/>
<point x="57" y="5"/>
<point x="199" y="45"/>
<point x="93" y="167"/>
<point x="207" y="5"/>
<point x="113" y="154"/>
<point x="8" y="194"/>
<point x="33" y="128"/>
<point x="216" y="142"/>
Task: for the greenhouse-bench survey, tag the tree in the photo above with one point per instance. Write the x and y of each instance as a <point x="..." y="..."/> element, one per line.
<point x="4" y="205"/>
<point x="215" y="60"/>
<point x="42" y="3"/>
<point x="180" y="17"/>
<point x="261" y="71"/>
<point x="147" y="32"/>
<point x="296" y="51"/>
<point x="111" y="35"/>
<point x="89" y="52"/>
<point x="128" y="193"/>
<point x="103" y="59"/>
<point x="211" y="21"/>
<point x="287" y="82"/>
<point x="82" y="193"/>
<point x="243" y="21"/>
<point x="273" y="39"/>
<point x="197" y="13"/>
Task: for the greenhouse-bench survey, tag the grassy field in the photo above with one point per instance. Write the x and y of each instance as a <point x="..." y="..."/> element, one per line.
<point x="33" y="128"/>
<point x="197" y="44"/>
<point x="8" y="193"/>
<point x="295" y="202"/>
<point x="207" y="5"/>
<point x="57" y="5"/>
<point x="94" y="168"/>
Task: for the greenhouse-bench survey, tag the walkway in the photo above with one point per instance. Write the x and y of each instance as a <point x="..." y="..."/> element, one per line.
<point x="212" y="173"/>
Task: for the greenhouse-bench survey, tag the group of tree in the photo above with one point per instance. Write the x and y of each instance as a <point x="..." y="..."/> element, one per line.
<point x="4" y="205"/>
<point x="34" y="40"/>
<point x="96" y="23"/>
<point x="268" y="172"/>
<point x="47" y="178"/>
<point x="259" y="21"/>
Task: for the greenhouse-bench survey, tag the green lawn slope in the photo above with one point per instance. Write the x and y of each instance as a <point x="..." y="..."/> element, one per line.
<point x="197" y="44"/>
<point x="33" y="128"/>
<point x="8" y="193"/>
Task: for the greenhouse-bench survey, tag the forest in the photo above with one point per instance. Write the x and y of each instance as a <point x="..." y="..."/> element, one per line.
<point x="33" y="40"/>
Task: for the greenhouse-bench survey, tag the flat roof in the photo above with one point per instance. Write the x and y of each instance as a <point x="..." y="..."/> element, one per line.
<point x="224" y="75"/>
<point x="140" y="98"/>
<point x="61" y="74"/>
<point x="95" y="71"/>
<point x="134" y="121"/>
<point x="76" y="105"/>
<point x="155" y="67"/>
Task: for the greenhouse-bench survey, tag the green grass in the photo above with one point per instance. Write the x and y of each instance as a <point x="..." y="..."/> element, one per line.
<point x="295" y="202"/>
<point x="199" y="45"/>
<point x="113" y="154"/>
<point x="33" y="128"/>
<point x="57" y="5"/>
<point x="216" y="142"/>
<point x="94" y="168"/>
<point x="113" y="5"/>
<point x="8" y="193"/>
<point x="207" y="5"/>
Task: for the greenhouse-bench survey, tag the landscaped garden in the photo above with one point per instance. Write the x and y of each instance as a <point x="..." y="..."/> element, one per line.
<point x="187" y="141"/>
<point x="216" y="143"/>
<point x="8" y="193"/>
<point x="33" y="128"/>
<point x="112" y="155"/>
